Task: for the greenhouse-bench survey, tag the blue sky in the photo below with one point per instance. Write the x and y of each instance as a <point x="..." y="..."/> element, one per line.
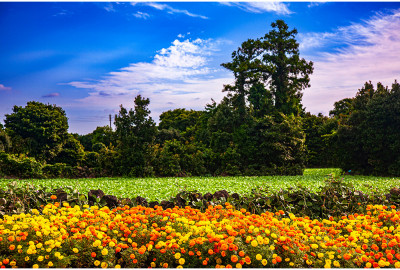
<point x="90" y="57"/>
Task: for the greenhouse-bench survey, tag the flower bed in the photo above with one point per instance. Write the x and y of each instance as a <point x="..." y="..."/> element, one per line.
<point x="65" y="236"/>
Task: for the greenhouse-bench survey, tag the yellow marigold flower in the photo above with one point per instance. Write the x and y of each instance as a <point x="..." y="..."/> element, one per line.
<point x="254" y="243"/>
<point x="320" y="255"/>
<point x="177" y="255"/>
<point x="179" y="266"/>
<point x="96" y="243"/>
<point x="40" y="258"/>
<point x="104" y="251"/>
<point x="50" y="264"/>
<point x="27" y="258"/>
<point x="39" y="245"/>
<point x="238" y="265"/>
<point x="153" y="264"/>
<point x="309" y="262"/>
<point x="181" y="261"/>
<point x="96" y="263"/>
<point x="314" y="246"/>
<point x="104" y="265"/>
<point x="258" y="257"/>
<point x="75" y="250"/>
<point x="327" y="266"/>
<point x="272" y="247"/>
<point x="382" y="263"/>
<point x="287" y="260"/>
<point x="291" y="264"/>
<point x="397" y="264"/>
<point x="111" y="244"/>
<point x="35" y="266"/>
<point x="336" y="264"/>
<point x="264" y="262"/>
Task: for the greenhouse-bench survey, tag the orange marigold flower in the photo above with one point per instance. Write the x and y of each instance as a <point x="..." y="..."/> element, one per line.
<point x="53" y="197"/>
<point x="204" y="262"/>
<point x="241" y="253"/>
<point x="210" y="251"/>
<point x="132" y="256"/>
<point x="346" y="256"/>
<point x="234" y="258"/>
<point x="93" y="254"/>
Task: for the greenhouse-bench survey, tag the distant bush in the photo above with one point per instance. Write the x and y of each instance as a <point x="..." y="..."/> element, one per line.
<point x="19" y="166"/>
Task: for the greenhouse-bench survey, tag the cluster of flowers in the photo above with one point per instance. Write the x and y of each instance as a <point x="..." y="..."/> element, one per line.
<point x="63" y="236"/>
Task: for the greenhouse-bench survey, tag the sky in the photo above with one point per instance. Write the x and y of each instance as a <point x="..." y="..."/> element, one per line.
<point x="89" y="58"/>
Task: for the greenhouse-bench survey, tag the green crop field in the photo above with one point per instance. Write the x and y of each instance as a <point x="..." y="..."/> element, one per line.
<point x="163" y="188"/>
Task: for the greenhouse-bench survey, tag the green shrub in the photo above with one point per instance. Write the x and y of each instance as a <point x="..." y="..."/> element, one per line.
<point x="19" y="166"/>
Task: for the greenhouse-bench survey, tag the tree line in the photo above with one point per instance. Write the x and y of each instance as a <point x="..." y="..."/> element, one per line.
<point x="259" y="128"/>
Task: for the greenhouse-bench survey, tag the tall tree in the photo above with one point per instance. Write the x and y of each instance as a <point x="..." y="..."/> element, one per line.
<point x="288" y="73"/>
<point x="269" y="70"/>
<point x="135" y="131"/>
<point x="39" y="130"/>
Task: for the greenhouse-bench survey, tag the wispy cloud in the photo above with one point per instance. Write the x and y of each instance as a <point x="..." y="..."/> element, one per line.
<point x="172" y="10"/>
<point x="178" y="76"/>
<point x="366" y="51"/>
<point x="261" y="7"/>
<point x="63" y="12"/>
<point x="51" y="95"/>
<point x="109" y="7"/>
<point x="141" y="15"/>
<point x="315" y="4"/>
<point x="4" y="88"/>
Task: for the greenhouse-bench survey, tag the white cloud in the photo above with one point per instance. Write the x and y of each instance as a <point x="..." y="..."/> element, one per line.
<point x="172" y="10"/>
<point x="178" y="76"/>
<point x="109" y="7"/>
<point x="369" y="51"/>
<point x="4" y="88"/>
<point x="261" y="7"/>
<point x="141" y="15"/>
<point x="315" y="4"/>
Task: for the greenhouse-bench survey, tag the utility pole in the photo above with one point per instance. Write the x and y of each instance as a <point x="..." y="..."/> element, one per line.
<point x="110" y="120"/>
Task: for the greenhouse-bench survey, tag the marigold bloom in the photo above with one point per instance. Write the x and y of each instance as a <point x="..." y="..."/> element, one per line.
<point x="53" y="197"/>
<point x="264" y="262"/>
<point x="258" y="257"/>
<point x="35" y="266"/>
<point x="234" y="258"/>
<point x="93" y="255"/>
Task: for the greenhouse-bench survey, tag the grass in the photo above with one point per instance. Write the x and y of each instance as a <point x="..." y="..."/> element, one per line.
<point x="163" y="188"/>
